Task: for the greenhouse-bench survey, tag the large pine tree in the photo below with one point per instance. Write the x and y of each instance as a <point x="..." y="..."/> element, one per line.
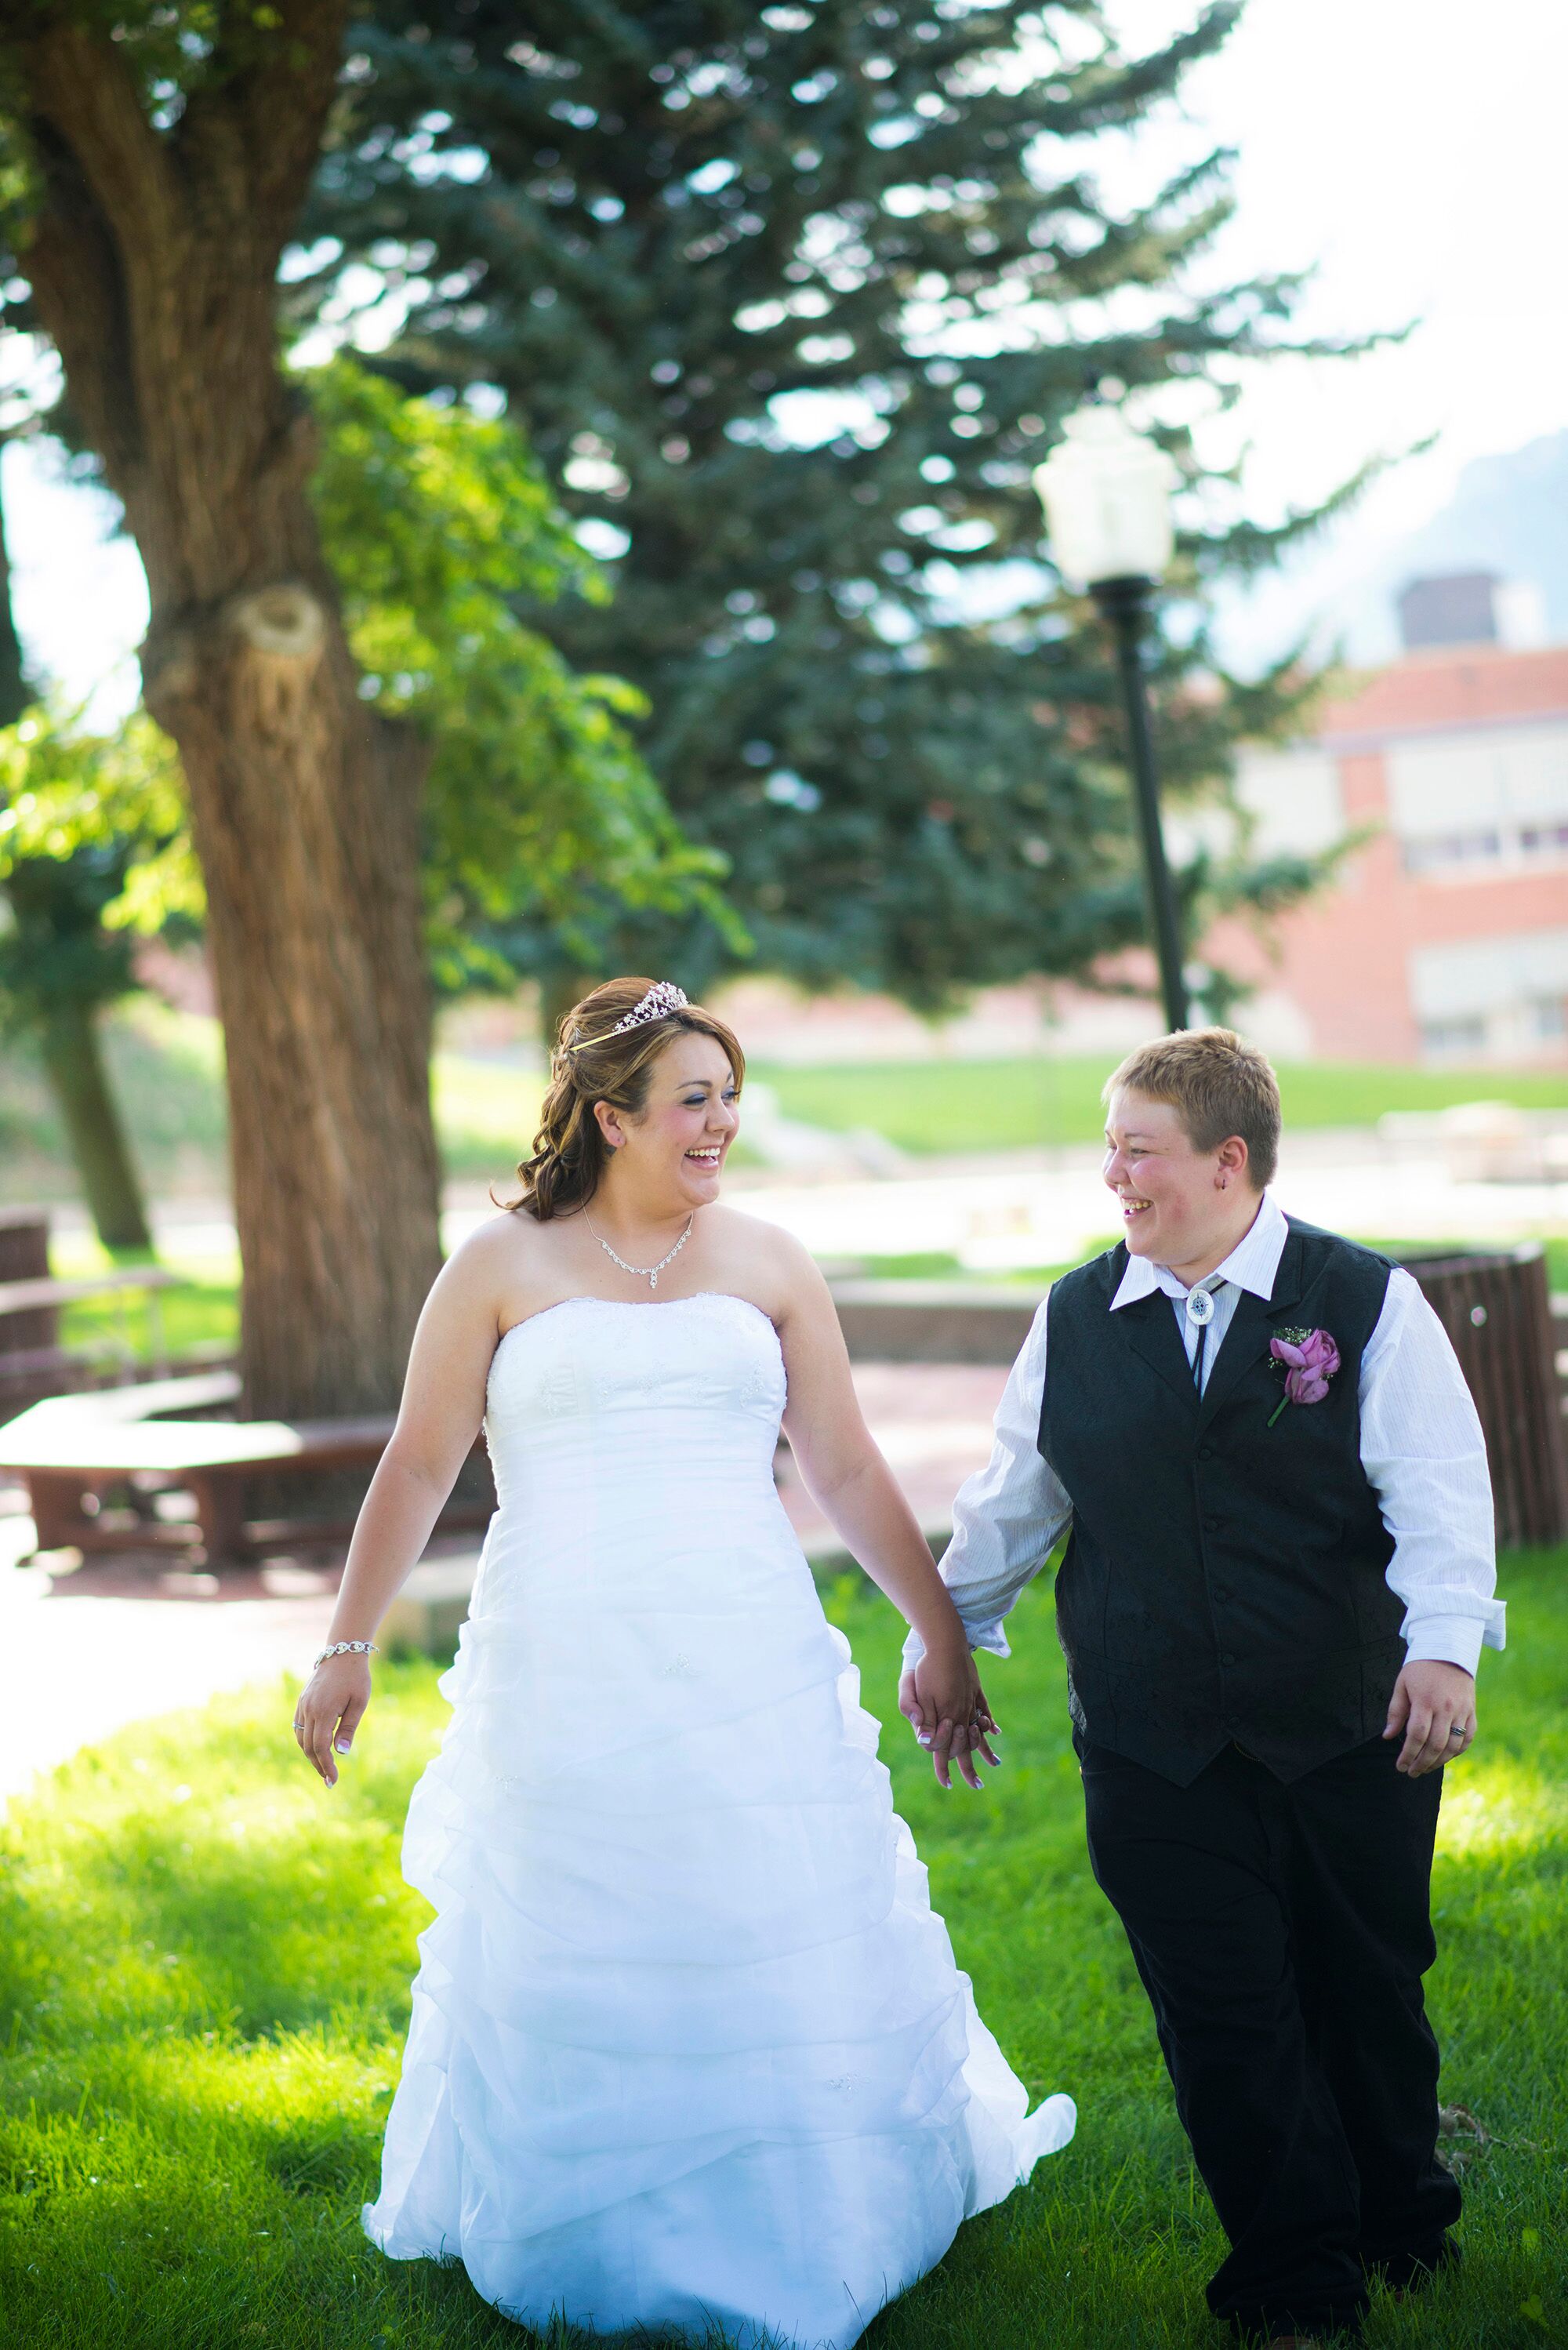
<point x="686" y="237"/>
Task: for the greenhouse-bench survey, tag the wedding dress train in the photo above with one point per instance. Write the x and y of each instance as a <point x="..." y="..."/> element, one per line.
<point x="688" y="2046"/>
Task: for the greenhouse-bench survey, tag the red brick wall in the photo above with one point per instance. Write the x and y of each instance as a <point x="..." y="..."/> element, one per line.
<point x="1345" y="957"/>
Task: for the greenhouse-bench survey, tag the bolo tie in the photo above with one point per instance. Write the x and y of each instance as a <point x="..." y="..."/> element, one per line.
<point x="1199" y="1312"/>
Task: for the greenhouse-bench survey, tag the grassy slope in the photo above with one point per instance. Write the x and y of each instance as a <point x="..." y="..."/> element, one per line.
<point x="167" y="1071"/>
<point x="937" y="1106"/>
<point x="166" y="1068"/>
<point x="204" y="1971"/>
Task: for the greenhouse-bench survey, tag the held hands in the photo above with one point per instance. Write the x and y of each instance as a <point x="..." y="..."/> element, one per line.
<point x="945" y="1706"/>
<point x="1434" y="1706"/>
<point x="330" y="1711"/>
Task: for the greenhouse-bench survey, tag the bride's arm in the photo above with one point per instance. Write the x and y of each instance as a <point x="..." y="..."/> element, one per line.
<point x="441" y="1409"/>
<point x="851" y="1483"/>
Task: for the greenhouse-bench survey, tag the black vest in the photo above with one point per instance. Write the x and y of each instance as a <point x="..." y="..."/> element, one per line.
<point x="1224" y="1580"/>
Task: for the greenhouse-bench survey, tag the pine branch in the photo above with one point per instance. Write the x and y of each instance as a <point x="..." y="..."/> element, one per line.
<point x="672" y="220"/>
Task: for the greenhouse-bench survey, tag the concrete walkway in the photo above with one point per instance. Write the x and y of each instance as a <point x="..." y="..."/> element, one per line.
<point x="81" y="1655"/>
<point x="1024" y="1207"/>
<point x="996" y="1216"/>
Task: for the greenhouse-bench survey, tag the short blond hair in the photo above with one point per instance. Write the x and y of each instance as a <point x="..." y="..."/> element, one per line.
<point x="1217" y="1085"/>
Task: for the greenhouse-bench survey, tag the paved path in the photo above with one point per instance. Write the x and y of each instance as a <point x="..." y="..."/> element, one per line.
<point x="83" y="1654"/>
<point x="996" y="1218"/>
<point x="1037" y="1207"/>
<point x="114" y="1641"/>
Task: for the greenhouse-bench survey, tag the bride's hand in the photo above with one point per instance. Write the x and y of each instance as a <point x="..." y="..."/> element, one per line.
<point x="946" y="1708"/>
<point x="330" y="1711"/>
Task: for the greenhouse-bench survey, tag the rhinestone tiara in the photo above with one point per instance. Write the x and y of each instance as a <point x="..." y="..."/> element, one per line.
<point x="662" y="997"/>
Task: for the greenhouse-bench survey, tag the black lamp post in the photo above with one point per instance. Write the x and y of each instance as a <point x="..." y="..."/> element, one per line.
<point x="1106" y="495"/>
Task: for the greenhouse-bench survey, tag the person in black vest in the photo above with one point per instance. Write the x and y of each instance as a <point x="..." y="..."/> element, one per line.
<point x="1278" y="1580"/>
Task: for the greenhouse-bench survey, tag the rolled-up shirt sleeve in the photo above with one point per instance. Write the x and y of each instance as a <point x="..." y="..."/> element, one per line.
<point x="1009" y="1516"/>
<point x="1423" y="1454"/>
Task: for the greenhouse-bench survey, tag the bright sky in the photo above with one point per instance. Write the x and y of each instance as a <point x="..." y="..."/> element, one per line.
<point x="1411" y="149"/>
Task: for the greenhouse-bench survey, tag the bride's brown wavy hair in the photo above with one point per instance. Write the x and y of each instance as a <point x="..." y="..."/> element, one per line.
<point x="589" y="1064"/>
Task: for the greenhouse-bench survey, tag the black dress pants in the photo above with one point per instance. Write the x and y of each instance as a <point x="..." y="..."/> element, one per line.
<point x="1281" y="1933"/>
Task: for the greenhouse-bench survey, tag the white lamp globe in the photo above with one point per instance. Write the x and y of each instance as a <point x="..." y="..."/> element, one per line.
<point x="1106" y="495"/>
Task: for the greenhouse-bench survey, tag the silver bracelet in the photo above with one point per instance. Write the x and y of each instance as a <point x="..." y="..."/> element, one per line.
<point x="348" y="1647"/>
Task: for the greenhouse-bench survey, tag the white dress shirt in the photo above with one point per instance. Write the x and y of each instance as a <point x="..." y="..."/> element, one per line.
<point x="1421" y="1446"/>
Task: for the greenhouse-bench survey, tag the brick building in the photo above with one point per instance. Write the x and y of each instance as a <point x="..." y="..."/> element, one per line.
<point x="1446" y="936"/>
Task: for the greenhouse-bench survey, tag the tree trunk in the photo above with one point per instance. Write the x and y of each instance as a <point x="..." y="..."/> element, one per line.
<point x="152" y="263"/>
<point x="306" y="815"/>
<point x="73" y="1062"/>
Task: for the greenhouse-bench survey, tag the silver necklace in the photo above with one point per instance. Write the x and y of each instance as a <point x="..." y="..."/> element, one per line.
<point x="648" y="1273"/>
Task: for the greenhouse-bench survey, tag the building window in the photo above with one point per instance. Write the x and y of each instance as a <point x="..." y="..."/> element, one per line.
<point x="1549" y="1017"/>
<point x="1453" y="1039"/>
<point x="1544" y="839"/>
<point x="1452" y="849"/>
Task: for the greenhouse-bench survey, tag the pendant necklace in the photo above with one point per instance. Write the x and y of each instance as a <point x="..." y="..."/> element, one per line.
<point x="648" y="1273"/>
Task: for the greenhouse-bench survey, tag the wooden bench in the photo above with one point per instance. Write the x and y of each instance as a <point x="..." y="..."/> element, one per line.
<point x="934" y="1321"/>
<point x="174" y="1398"/>
<point x="70" y="1450"/>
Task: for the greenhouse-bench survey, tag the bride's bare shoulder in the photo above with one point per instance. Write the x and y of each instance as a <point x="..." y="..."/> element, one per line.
<point x="502" y="1238"/>
<point x="510" y="1267"/>
<point x="505" y="1257"/>
<point x="765" y="1248"/>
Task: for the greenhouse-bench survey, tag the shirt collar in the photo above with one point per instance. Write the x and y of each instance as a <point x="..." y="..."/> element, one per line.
<point x="1251" y="1264"/>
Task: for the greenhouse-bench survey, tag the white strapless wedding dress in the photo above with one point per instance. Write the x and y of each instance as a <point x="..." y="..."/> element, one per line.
<point x="688" y="2045"/>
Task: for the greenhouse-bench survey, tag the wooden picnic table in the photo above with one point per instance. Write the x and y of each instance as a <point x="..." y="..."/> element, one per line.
<point x="70" y="1448"/>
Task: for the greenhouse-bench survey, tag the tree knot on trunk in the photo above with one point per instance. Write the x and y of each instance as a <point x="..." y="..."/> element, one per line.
<point x="285" y="622"/>
<point x="281" y="633"/>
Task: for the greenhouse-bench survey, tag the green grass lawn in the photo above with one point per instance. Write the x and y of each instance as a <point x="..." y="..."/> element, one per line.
<point x="204" y="1962"/>
<point x="951" y="1106"/>
<point x="202" y="1316"/>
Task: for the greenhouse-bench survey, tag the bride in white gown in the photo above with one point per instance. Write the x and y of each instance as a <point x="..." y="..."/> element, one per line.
<point x="688" y="2046"/>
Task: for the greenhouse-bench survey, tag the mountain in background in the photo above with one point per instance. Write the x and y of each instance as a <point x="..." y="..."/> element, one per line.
<point x="1507" y="515"/>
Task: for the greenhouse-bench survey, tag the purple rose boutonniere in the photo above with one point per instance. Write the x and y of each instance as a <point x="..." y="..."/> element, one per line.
<point x="1309" y="1359"/>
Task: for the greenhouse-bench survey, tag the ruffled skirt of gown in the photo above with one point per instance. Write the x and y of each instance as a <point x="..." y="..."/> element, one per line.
<point x="689" y="2047"/>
